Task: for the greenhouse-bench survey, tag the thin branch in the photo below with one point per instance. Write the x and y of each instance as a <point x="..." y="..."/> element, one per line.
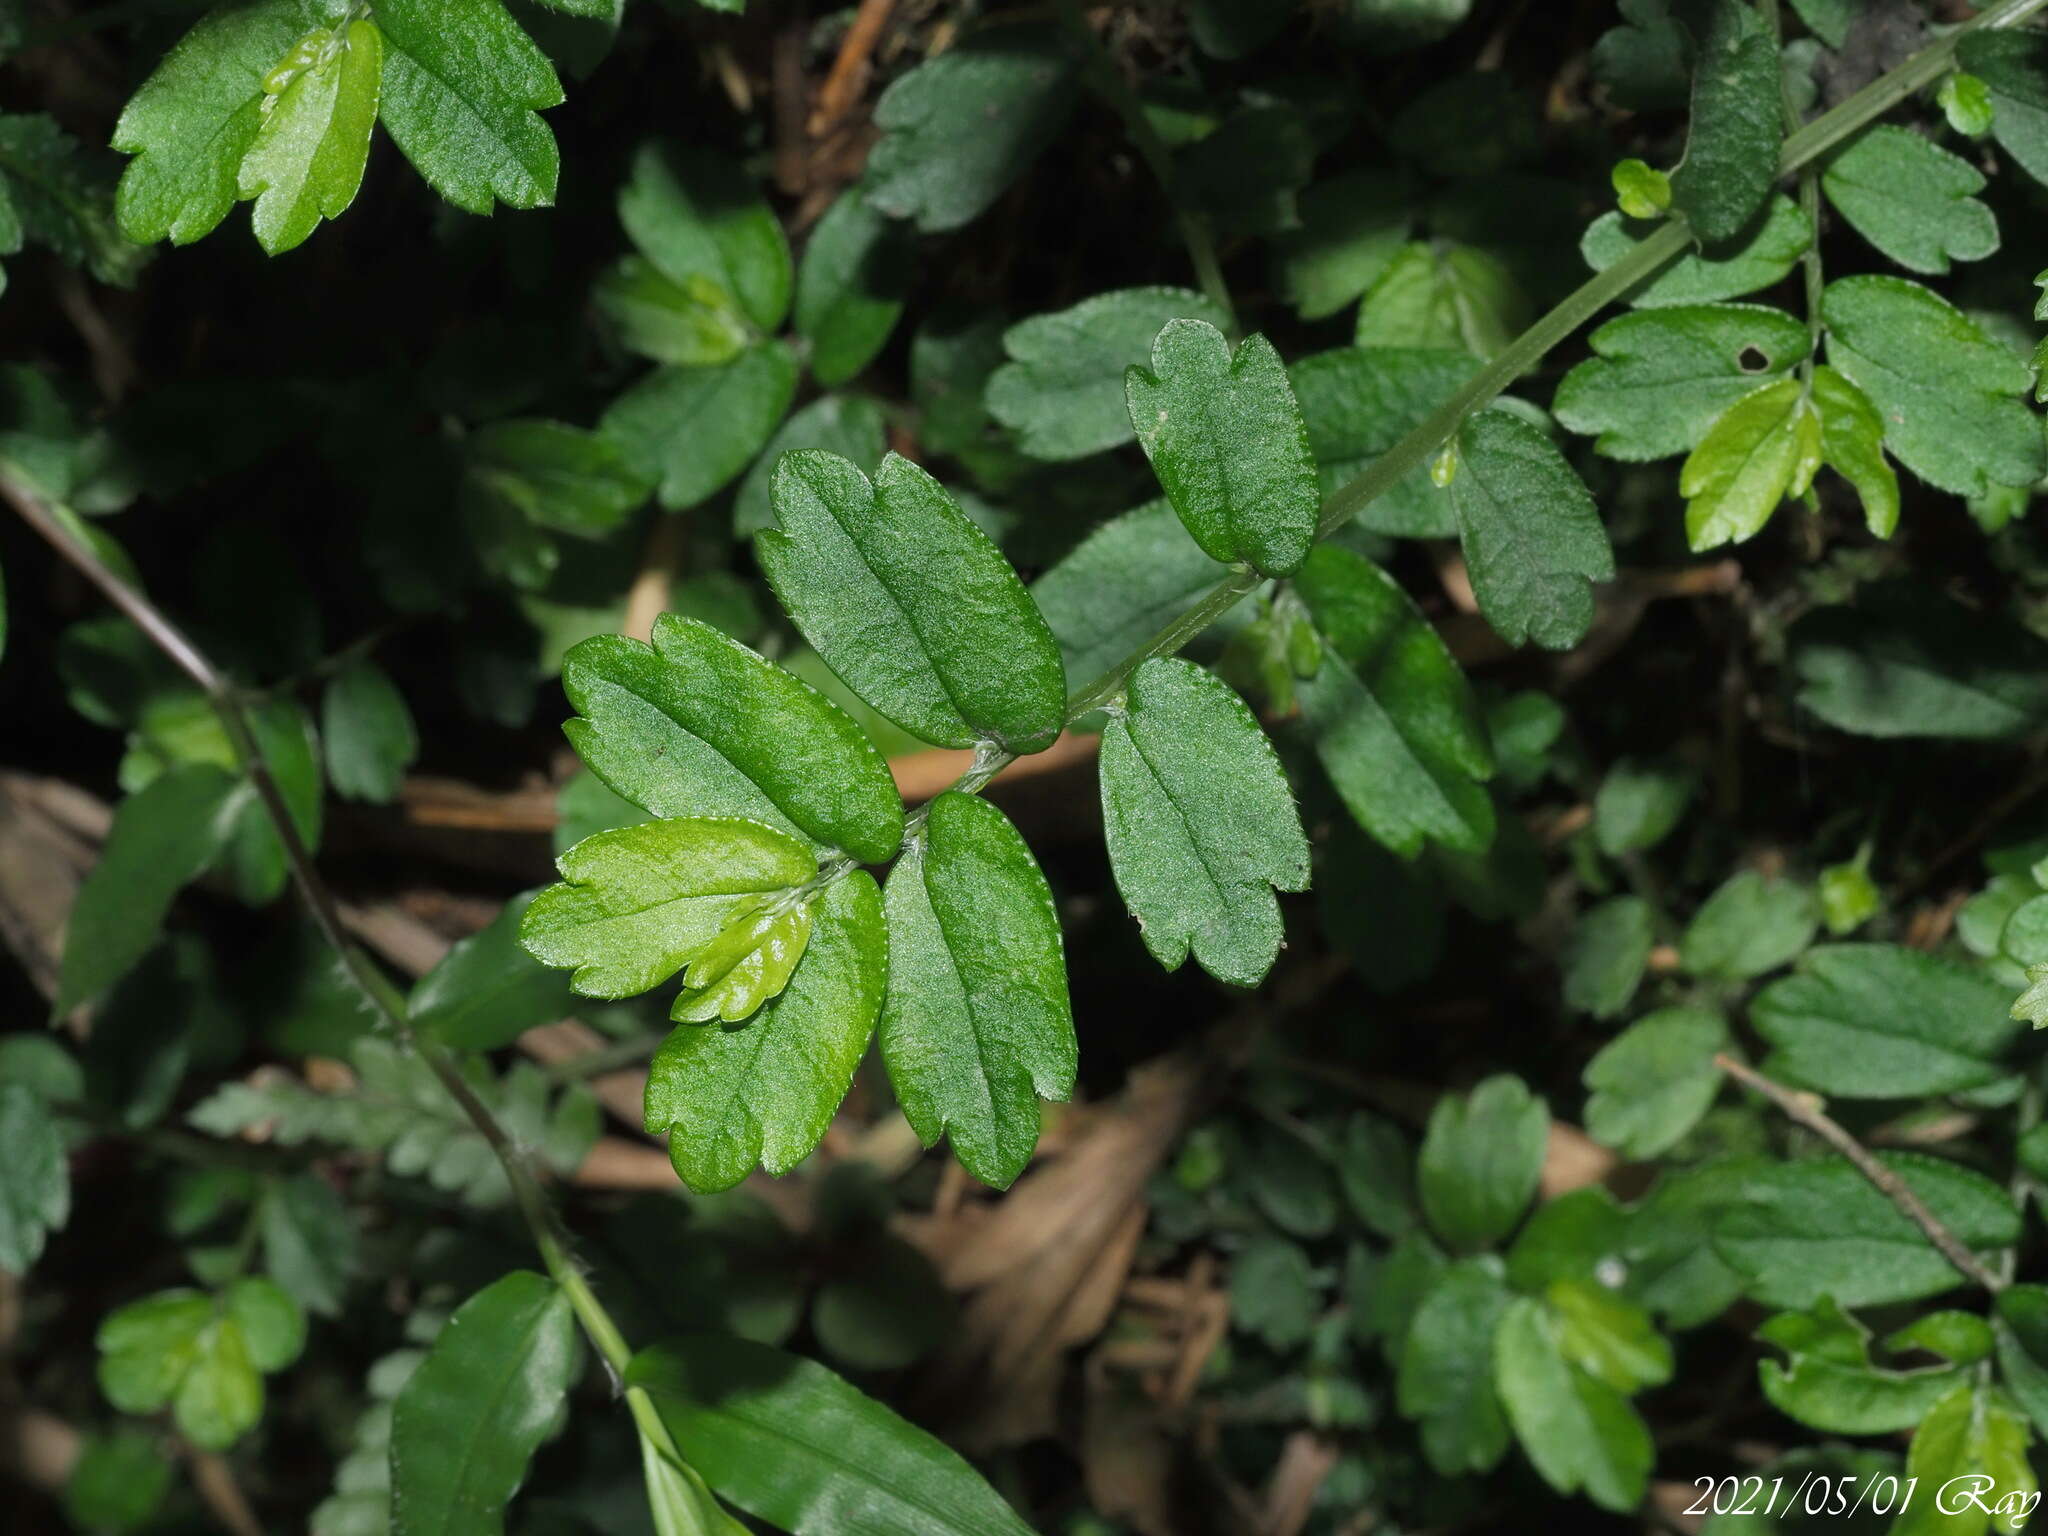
<point x="1806" y="1109"/>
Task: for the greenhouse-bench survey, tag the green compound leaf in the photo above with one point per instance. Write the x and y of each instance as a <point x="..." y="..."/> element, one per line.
<point x="1755" y="258"/>
<point x="1120" y="586"/>
<point x="367" y="733"/>
<point x="1911" y="199"/>
<point x="1731" y="145"/>
<point x="1480" y="1161"/>
<point x="1801" y="1231"/>
<point x="1972" y="1446"/>
<point x="701" y="223"/>
<point x="1533" y="542"/>
<point x="765" y="1091"/>
<point x="698" y="725"/>
<point x="469" y="1418"/>
<point x="977" y="1027"/>
<point x="1949" y="393"/>
<point x="1852" y="445"/>
<point x="1227" y="442"/>
<point x="1659" y="379"/>
<point x="638" y="903"/>
<point x="1360" y="401"/>
<point x="911" y="605"/>
<point x="196" y="116"/>
<point x="694" y="429"/>
<point x="1876" y="1021"/>
<point x="1062" y="391"/>
<point x="1442" y="294"/>
<point x="1446" y="1371"/>
<point x="958" y="129"/>
<point x="1200" y="822"/>
<point x="307" y="159"/>
<point x="35" y="1197"/>
<point x="1650" y="1084"/>
<point x="204" y="1356"/>
<point x="462" y="89"/>
<point x="851" y="286"/>
<point x="1580" y="1432"/>
<point x="1764" y="448"/>
<point x="163" y="836"/>
<point x="1827" y="1379"/>
<point x="794" y="1445"/>
<point x="1393" y="719"/>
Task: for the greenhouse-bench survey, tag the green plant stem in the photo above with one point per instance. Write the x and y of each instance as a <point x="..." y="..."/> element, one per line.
<point x="1195" y="233"/>
<point x="1809" y="204"/>
<point x="374" y="985"/>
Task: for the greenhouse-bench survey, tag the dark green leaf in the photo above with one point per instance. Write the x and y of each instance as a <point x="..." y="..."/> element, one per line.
<point x="700" y="221"/>
<point x="795" y="1445"/>
<point x="118" y="1482"/>
<point x="847" y="426"/>
<point x="469" y="1418"/>
<point x="977" y="1027"/>
<point x="1120" y="587"/>
<point x="35" y="1197"/>
<point x="1911" y="199"/>
<point x="1756" y="258"/>
<point x="488" y="990"/>
<point x="1227" y="442"/>
<point x="1481" y="1160"/>
<point x="694" y="429"/>
<point x="1446" y="1376"/>
<point x="1274" y="1292"/>
<point x="911" y="604"/>
<point x="2020" y="1326"/>
<point x="2014" y="66"/>
<point x="1748" y="926"/>
<point x="766" y="1091"/>
<point x="1731" y="145"/>
<point x="1351" y="227"/>
<point x="1440" y="294"/>
<point x="1376" y="1168"/>
<point x="309" y="1241"/>
<point x="1358" y="402"/>
<point x="851" y="286"/>
<point x="366" y="732"/>
<point x="1604" y="956"/>
<point x="1200" y="822"/>
<point x="698" y="725"/>
<point x="1650" y="1084"/>
<point x="555" y="475"/>
<point x="1581" y="1433"/>
<point x="1828" y="1381"/>
<point x="1533" y="542"/>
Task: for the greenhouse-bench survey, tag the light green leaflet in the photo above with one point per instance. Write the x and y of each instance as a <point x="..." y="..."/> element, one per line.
<point x="1393" y="719"/>
<point x="1765" y="447"/>
<point x="1658" y="379"/>
<point x="1533" y="541"/>
<point x="470" y="1416"/>
<point x="204" y="1356"/>
<point x="1200" y="822"/>
<point x="1062" y="391"/>
<point x="1440" y="294"/>
<point x="1828" y="1381"/>
<point x="1949" y="394"/>
<point x="638" y="903"/>
<point x="700" y="222"/>
<point x="553" y="474"/>
<point x="977" y="1027"/>
<point x="911" y="604"/>
<point x="1975" y="1438"/>
<point x="744" y="966"/>
<point x="1852" y="443"/>
<point x="692" y="323"/>
<point x="1579" y="1431"/>
<point x="1481" y="1160"/>
<point x="1911" y="199"/>
<point x="1756" y="258"/>
<point x="307" y="159"/>
<point x="766" y="1091"/>
<point x="462" y="89"/>
<point x="1227" y="442"/>
<point x="698" y="725"/>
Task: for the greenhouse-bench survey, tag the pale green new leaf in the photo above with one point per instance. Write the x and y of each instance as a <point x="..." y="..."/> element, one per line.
<point x="1764" y="448"/>
<point x="35" y="1196"/>
<point x="1062" y="391"/>
<point x="462" y="91"/>
<point x="1852" y="445"/>
<point x="692" y="430"/>
<point x="1605" y="1335"/>
<point x="367" y="733"/>
<point x="307" y="158"/>
<point x="1442" y="294"/>
<point x="1581" y="1434"/>
<point x="1533" y="542"/>
<point x="638" y="903"/>
<point x="691" y="323"/>
<point x="796" y="1446"/>
<point x="977" y="1028"/>
<point x="1736" y="122"/>
<point x="1950" y="394"/>
<point x="1445" y="1381"/>
<point x="1971" y="1450"/>
<point x="1659" y="379"/>
<point x="1827" y="1379"/>
<point x="204" y="1356"/>
<point x="764" y="1092"/>
<point x="1480" y="1161"/>
<point x="469" y="1418"/>
<point x="1227" y="442"/>
<point x="1650" y="1084"/>
<point x="1392" y="717"/>
<point x="163" y="836"/>
<point x="1911" y="199"/>
<point x="1878" y="1021"/>
<point x="912" y="605"/>
<point x="698" y="725"/>
<point x="1200" y="822"/>
<point x="851" y="285"/>
<point x="958" y="129"/>
<point x="1755" y="258"/>
<point x="700" y="221"/>
<point x="193" y="119"/>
